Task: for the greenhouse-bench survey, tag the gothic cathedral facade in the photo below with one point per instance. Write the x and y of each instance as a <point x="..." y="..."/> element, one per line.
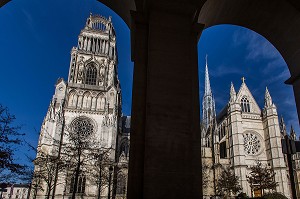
<point x="80" y="151"/>
<point x="239" y="136"/>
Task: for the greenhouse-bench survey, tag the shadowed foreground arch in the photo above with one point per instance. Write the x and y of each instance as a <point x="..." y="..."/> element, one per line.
<point x="165" y="158"/>
<point x="278" y="21"/>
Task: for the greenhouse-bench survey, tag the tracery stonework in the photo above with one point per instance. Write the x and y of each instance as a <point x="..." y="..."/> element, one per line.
<point x="252" y="143"/>
<point x="82" y="126"/>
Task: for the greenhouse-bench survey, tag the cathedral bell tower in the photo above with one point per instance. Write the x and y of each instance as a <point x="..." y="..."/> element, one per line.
<point x="209" y="113"/>
<point x="93" y="61"/>
<point x="87" y="105"/>
<point x="93" y="85"/>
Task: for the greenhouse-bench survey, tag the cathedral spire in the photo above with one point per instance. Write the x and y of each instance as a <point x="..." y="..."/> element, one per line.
<point x="282" y="126"/>
<point x="268" y="99"/>
<point x="207" y="82"/>
<point x="208" y="104"/>
<point x="232" y="93"/>
<point x="293" y="133"/>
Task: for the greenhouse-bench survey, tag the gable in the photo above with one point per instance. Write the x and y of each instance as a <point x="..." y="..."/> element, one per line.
<point x="244" y="92"/>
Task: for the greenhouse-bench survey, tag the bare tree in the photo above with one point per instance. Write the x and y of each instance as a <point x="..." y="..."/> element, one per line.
<point x="46" y="163"/>
<point x="45" y="171"/>
<point x="85" y="158"/>
<point x="9" y="139"/>
<point x="99" y="172"/>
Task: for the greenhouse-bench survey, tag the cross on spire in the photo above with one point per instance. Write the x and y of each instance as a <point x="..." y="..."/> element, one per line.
<point x="243" y="79"/>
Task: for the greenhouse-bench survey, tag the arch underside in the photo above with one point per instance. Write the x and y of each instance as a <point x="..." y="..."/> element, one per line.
<point x="278" y="21"/>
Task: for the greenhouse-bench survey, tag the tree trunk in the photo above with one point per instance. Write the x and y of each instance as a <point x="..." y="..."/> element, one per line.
<point x="48" y="190"/>
<point x="76" y="179"/>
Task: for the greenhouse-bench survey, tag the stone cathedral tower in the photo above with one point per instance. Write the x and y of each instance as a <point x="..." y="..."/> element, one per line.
<point x="209" y="138"/>
<point x="86" y="107"/>
<point x="209" y="112"/>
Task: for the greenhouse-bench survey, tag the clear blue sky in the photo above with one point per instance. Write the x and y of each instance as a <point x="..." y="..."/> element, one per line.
<point x="36" y="38"/>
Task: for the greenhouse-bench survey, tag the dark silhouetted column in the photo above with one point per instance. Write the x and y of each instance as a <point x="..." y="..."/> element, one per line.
<point x="165" y="154"/>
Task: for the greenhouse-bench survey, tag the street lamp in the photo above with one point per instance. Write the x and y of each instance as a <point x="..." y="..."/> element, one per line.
<point x="109" y="180"/>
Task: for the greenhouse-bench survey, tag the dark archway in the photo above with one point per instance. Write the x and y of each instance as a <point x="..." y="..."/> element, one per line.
<point x="278" y="22"/>
<point x="165" y="114"/>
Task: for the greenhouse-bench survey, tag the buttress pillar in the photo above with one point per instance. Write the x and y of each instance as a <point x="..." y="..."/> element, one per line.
<point x="165" y="153"/>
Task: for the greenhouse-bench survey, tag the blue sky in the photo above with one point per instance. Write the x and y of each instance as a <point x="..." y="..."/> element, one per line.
<point x="36" y="38"/>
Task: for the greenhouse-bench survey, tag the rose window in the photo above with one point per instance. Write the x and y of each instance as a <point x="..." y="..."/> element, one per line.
<point x="252" y="144"/>
<point x="82" y="126"/>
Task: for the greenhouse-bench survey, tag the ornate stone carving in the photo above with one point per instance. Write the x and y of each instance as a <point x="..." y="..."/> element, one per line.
<point x="252" y="143"/>
<point x="83" y="126"/>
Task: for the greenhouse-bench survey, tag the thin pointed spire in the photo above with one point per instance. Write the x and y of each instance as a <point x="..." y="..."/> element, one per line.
<point x="293" y="133"/>
<point x="208" y="104"/>
<point x="268" y="98"/>
<point x="281" y="120"/>
<point x="207" y="90"/>
<point x="232" y="93"/>
<point x="282" y="126"/>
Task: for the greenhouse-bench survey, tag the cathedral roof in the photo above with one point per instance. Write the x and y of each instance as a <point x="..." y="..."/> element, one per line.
<point x="245" y="92"/>
<point x="222" y="114"/>
<point x="126" y="122"/>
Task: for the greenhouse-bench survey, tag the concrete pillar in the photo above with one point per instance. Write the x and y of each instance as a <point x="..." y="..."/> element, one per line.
<point x="165" y="153"/>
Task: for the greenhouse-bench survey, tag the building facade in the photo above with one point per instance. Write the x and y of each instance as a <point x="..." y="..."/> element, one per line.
<point x="239" y="136"/>
<point x="78" y="149"/>
<point x="16" y="191"/>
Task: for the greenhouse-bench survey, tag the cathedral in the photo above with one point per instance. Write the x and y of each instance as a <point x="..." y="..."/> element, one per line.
<point x="239" y="136"/>
<point x="83" y="149"/>
<point x="84" y="139"/>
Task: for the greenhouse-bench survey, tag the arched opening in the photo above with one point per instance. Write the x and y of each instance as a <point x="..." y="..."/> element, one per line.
<point x="241" y="59"/>
<point x="235" y="52"/>
<point x="49" y="46"/>
<point x="214" y="13"/>
<point x="252" y="15"/>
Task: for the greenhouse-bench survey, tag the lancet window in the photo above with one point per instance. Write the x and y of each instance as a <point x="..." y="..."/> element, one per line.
<point x="72" y="101"/>
<point x="124" y="147"/>
<point x="245" y="105"/>
<point x="223" y="150"/>
<point x="222" y="131"/>
<point x="121" y="184"/>
<point x="91" y="75"/>
<point x="80" y="185"/>
<point x="207" y="141"/>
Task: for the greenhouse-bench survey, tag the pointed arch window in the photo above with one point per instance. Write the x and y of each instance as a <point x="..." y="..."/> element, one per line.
<point x="121" y="184"/>
<point x="207" y="141"/>
<point x="124" y="147"/>
<point x="245" y="104"/>
<point x="80" y="185"/>
<point x="223" y="150"/>
<point x="91" y="74"/>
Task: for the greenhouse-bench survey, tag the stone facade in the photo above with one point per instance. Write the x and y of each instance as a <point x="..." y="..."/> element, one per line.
<point x="16" y="191"/>
<point x="86" y="109"/>
<point x="241" y="135"/>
